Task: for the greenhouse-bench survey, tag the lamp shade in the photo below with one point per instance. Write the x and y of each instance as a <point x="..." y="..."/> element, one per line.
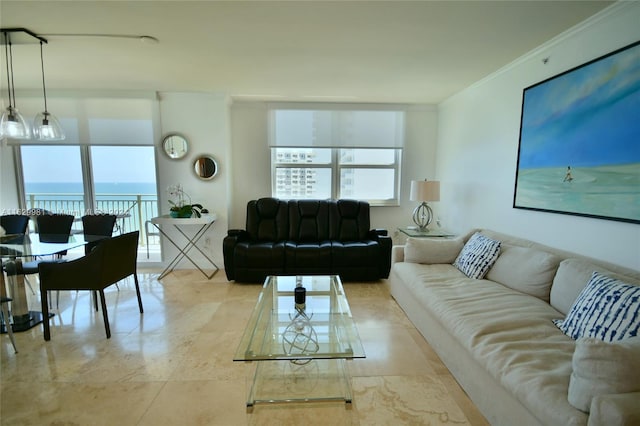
<point x="13" y="125"/>
<point x="46" y="127"/>
<point x="425" y="190"/>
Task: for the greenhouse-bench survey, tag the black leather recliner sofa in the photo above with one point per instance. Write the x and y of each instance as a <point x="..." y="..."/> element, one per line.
<point x="307" y="237"/>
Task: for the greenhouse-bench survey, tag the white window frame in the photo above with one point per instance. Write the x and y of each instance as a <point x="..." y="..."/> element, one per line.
<point x="336" y="145"/>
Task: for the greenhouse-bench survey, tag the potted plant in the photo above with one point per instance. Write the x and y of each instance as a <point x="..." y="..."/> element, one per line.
<point x="181" y="205"/>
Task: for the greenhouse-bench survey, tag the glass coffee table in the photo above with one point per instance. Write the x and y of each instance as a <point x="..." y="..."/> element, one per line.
<point x="307" y="345"/>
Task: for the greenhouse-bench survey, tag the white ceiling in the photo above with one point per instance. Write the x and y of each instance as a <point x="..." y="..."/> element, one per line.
<point x="380" y="51"/>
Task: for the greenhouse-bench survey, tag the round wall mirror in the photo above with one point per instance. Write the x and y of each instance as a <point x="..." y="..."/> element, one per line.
<point x="175" y="146"/>
<point x="205" y="167"/>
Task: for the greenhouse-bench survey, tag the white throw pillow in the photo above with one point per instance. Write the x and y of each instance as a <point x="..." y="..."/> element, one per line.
<point x="477" y="256"/>
<point x="607" y="309"/>
<point x="601" y="368"/>
<point x="430" y="251"/>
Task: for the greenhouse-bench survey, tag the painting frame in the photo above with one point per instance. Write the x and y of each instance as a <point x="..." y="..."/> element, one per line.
<point x="579" y="142"/>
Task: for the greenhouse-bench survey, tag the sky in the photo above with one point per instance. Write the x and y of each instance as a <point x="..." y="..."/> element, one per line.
<point x="586" y="117"/>
<point x="109" y="163"/>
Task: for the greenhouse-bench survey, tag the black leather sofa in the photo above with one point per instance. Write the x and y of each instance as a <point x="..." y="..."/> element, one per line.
<point x="307" y="237"/>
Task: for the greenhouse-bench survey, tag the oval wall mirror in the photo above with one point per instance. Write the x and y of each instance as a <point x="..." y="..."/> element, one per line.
<point x="205" y="167"/>
<point x="175" y="146"/>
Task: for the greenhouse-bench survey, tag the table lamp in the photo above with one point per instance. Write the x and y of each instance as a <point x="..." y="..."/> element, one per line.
<point x="424" y="190"/>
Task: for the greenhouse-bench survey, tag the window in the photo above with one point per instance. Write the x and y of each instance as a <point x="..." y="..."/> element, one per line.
<point x="336" y="154"/>
<point x="105" y="164"/>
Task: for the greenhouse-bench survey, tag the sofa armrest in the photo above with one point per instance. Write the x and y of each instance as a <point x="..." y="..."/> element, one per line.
<point x="380" y="232"/>
<point x="238" y="233"/>
<point x="397" y="254"/>
<point x="234" y="236"/>
<point x="615" y="409"/>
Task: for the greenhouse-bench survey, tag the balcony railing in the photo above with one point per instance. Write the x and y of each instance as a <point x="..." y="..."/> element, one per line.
<point x="133" y="209"/>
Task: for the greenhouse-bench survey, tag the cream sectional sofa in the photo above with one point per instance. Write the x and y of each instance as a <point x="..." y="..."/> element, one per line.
<point x="497" y="337"/>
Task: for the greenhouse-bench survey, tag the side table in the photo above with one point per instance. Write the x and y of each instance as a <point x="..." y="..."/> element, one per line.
<point x="415" y="232"/>
<point x="204" y="224"/>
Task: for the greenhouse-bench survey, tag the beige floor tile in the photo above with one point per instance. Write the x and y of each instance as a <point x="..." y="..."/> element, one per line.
<point x="409" y="400"/>
<point x="203" y="402"/>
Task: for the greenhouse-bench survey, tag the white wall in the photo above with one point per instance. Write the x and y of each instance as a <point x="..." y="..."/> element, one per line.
<point x="478" y="146"/>
<point x="252" y="162"/>
<point x="204" y="120"/>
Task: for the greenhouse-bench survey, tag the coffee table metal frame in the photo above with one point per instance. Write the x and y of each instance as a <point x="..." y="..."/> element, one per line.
<point x="307" y="345"/>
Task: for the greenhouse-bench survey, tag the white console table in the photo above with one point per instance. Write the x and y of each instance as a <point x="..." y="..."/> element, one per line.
<point x="202" y="223"/>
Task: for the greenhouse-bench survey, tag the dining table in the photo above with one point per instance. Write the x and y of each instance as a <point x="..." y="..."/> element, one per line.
<point x="17" y="248"/>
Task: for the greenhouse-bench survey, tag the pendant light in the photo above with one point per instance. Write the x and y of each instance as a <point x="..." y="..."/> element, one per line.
<point x="12" y="123"/>
<point x="46" y="126"/>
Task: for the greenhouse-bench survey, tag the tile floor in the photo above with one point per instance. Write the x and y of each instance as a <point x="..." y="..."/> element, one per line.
<point x="173" y="364"/>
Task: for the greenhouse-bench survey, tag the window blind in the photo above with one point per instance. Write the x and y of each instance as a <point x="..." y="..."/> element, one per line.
<point x="336" y="128"/>
<point x="97" y="120"/>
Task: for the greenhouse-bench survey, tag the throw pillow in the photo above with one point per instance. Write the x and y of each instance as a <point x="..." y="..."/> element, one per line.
<point x="430" y="251"/>
<point x="607" y="309"/>
<point x="477" y="256"/>
<point x="572" y="277"/>
<point x="601" y="368"/>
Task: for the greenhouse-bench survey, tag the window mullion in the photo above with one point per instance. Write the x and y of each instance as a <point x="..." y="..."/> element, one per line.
<point x="87" y="179"/>
<point x="335" y="173"/>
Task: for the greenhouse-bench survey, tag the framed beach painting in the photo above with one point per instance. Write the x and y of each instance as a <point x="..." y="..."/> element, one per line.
<point x="579" y="150"/>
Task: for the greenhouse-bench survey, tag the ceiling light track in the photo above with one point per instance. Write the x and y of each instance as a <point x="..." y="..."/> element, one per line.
<point x="147" y="39"/>
<point x="12" y="124"/>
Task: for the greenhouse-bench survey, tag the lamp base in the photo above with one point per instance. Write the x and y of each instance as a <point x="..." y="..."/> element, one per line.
<point x="422" y="216"/>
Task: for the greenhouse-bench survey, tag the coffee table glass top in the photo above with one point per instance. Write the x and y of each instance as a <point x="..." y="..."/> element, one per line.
<point x="324" y="329"/>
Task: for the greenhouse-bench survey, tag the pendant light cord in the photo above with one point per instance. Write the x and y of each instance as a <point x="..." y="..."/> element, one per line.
<point x="13" y="86"/>
<point x="44" y="89"/>
<point x="6" y="51"/>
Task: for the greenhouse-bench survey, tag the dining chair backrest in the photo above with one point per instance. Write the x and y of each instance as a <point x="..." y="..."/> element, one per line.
<point x="98" y="224"/>
<point x="15" y="226"/>
<point x="14" y="223"/>
<point x="54" y="228"/>
<point x="120" y="257"/>
<point x="82" y="273"/>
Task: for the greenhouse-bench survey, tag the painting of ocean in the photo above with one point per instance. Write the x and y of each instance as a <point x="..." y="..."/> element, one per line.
<point x="547" y="189"/>
<point x="579" y="147"/>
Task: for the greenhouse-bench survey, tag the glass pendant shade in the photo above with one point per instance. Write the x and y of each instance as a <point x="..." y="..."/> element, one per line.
<point x="13" y="125"/>
<point x="46" y="127"/>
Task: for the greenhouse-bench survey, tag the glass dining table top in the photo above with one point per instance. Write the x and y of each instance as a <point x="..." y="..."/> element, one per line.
<point x="19" y="245"/>
<point x="322" y="329"/>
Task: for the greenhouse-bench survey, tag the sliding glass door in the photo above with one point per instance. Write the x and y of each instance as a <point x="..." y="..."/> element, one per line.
<point x="81" y="180"/>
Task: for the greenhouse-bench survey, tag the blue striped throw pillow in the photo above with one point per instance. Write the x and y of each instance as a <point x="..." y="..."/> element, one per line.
<point x="607" y="309"/>
<point x="477" y="256"/>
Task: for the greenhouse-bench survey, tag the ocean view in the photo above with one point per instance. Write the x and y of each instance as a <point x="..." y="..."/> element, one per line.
<point x="611" y="191"/>
<point x="134" y="188"/>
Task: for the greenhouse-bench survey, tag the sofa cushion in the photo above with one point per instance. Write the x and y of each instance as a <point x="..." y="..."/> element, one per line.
<point x="601" y="368"/>
<point x="477" y="256"/>
<point x="607" y="308"/>
<point x="525" y="269"/>
<point x="308" y="221"/>
<point x="429" y="251"/>
<point x="572" y="277"/>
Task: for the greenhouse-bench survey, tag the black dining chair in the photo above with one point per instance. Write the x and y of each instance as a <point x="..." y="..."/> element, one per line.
<point x="100" y="225"/>
<point x="52" y="228"/>
<point x="15" y="225"/>
<point x="111" y="261"/>
<point x="5" y="318"/>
